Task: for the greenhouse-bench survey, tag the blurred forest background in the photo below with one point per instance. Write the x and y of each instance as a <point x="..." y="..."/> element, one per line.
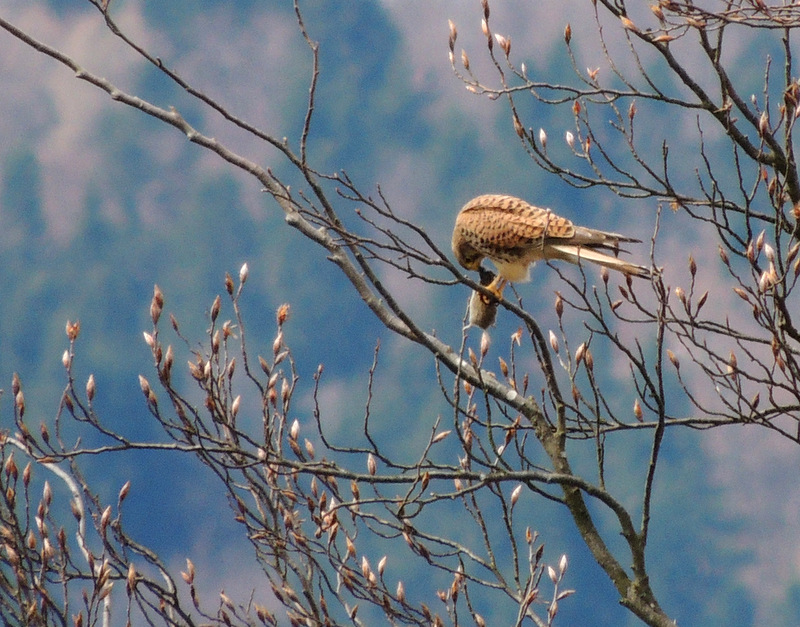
<point x="99" y="202"/>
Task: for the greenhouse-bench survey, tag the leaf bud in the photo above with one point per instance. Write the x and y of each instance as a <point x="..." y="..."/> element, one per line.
<point x="588" y="360"/>
<point x="487" y="33"/>
<point x="486" y="342"/>
<point x="145" y="385"/>
<point x="579" y="353"/>
<point x="763" y="123"/>
<point x="543" y="139"/>
<point x="515" y="494"/>
<point x="453" y="33"/>
<point x="628" y="24"/>
<point x="73" y="330"/>
<point x="554" y="342"/>
<point x="504" y="43"/>
<point x="760" y="241"/>
<point x="90" y="388"/>
<point x="283" y="313"/>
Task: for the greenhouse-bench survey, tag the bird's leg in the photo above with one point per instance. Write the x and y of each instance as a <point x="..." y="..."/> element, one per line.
<point x="492" y="282"/>
<point x="497" y="286"/>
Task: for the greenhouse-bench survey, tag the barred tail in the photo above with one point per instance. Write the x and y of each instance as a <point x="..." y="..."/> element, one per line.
<point x="579" y="254"/>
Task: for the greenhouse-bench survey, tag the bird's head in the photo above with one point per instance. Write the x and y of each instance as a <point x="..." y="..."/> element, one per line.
<point x="467" y="256"/>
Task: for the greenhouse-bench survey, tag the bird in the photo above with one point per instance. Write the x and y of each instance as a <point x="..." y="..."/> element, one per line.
<point x="513" y="234"/>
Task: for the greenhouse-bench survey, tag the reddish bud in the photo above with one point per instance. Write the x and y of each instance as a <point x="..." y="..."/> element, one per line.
<point x="73" y="330"/>
<point x="673" y="359"/>
<point x="283" y="313"/>
<point x="628" y="24"/>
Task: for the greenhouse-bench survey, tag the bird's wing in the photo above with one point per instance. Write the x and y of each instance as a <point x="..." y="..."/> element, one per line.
<point x="508" y="223"/>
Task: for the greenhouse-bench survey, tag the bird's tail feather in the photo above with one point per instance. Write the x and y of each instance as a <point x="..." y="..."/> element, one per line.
<point x="579" y="254"/>
<point x="600" y="239"/>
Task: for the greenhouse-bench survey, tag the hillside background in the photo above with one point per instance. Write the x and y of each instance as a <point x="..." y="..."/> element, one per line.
<point x="98" y="203"/>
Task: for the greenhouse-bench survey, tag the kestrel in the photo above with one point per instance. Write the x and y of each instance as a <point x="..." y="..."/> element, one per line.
<point x="513" y="234"/>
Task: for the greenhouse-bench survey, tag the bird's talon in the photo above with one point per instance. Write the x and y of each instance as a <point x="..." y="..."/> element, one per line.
<point x="497" y="286"/>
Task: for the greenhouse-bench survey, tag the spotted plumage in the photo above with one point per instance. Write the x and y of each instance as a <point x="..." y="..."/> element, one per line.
<point x="513" y="234"/>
